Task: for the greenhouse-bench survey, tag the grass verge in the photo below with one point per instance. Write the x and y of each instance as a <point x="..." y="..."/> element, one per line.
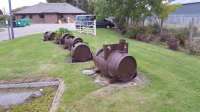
<point x="174" y="76"/>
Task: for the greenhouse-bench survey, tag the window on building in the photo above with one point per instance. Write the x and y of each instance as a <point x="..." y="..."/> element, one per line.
<point x="30" y="16"/>
<point x="60" y="16"/>
<point x="41" y="15"/>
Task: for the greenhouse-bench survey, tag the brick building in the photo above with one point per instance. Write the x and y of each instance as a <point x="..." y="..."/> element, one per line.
<point x="49" y="13"/>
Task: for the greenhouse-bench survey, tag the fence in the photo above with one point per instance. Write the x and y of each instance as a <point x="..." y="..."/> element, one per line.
<point x="191" y="22"/>
<point x="88" y="27"/>
<point x="183" y="20"/>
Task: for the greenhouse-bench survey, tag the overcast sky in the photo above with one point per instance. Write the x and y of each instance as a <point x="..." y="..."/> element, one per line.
<point x="18" y="3"/>
<point x="185" y="1"/>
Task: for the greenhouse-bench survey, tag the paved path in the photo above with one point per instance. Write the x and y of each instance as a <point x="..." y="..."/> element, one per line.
<point x="35" y="28"/>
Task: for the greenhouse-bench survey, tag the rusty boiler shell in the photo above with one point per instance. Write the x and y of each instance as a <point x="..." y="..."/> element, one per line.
<point x="121" y="66"/>
<point x="49" y="36"/>
<point x="70" y="42"/>
<point x="81" y="53"/>
<point x="45" y="38"/>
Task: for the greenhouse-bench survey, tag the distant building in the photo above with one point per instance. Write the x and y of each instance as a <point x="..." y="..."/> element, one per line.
<point x="49" y="13"/>
<point x="187" y="13"/>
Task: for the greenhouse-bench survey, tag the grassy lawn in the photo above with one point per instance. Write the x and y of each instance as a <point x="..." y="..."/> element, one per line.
<point x="174" y="77"/>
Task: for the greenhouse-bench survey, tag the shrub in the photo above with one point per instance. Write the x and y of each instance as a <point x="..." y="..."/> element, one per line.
<point x="164" y="36"/>
<point x="62" y="31"/>
<point x="194" y="46"/>
<point x="181" y="34"/>
<point x="155" y="29"/>
<point x="59" y="34"/>
<point x="145" y="34"/>
<point x="133" y="32"/>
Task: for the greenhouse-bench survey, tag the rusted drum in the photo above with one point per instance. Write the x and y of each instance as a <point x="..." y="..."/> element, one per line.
<point x="48" y="36"/>
<point x="64" y="36"/>
<point x="81" y="53"/>
<point x="114" y="62"/>
<point x="45" y="36"/>
<point x="121" y="66"/>
<point x="71" y="41"/>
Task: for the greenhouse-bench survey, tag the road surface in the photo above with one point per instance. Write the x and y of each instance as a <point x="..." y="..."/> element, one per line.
<point x="35" y="28"/>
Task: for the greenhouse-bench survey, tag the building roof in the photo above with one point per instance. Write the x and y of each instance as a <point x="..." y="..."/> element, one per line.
<point x="188" y="9"/>
<point x="50" y="8"/>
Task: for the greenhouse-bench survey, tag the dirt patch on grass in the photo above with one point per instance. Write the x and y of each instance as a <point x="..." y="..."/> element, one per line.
<point x="110" y="88"/>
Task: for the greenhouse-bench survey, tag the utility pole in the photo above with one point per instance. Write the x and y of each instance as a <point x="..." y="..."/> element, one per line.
<point x="11" y="19"/>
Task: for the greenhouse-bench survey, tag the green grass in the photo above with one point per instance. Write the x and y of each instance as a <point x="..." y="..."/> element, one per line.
<point x="173" y="76"/>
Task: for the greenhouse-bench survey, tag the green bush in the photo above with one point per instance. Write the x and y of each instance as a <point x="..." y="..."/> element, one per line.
<point x="62" y="31"/>
<point x="181" y="34"/>
<point x="147" y="30"/>
<point x="194" y="46"/>
<point x="133" y="32"/>
<point x="142" y="33"/>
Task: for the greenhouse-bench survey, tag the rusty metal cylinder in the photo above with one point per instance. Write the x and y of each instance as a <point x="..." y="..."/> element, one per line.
<point x="48" y="36"/>
<point x="64" y="36"/>
<point x="114" y="62"/>
<point x="71" y="41"/>
<point x="80" y="52"/>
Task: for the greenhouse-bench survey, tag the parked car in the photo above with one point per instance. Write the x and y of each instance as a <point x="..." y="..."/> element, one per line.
<point x="105" y="24"/>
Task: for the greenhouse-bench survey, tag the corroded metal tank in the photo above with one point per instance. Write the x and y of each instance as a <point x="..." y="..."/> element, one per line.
<point x="64" y="37"/>
<point x="114" y="62"/>
<point x="70" y="41"/>
<point x="80" y="52"/>
<point x="48" y="36"/>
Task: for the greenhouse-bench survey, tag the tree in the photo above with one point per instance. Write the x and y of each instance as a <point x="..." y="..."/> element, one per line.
<point x="164" y="12"/>
<point x="127" y="12"/>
